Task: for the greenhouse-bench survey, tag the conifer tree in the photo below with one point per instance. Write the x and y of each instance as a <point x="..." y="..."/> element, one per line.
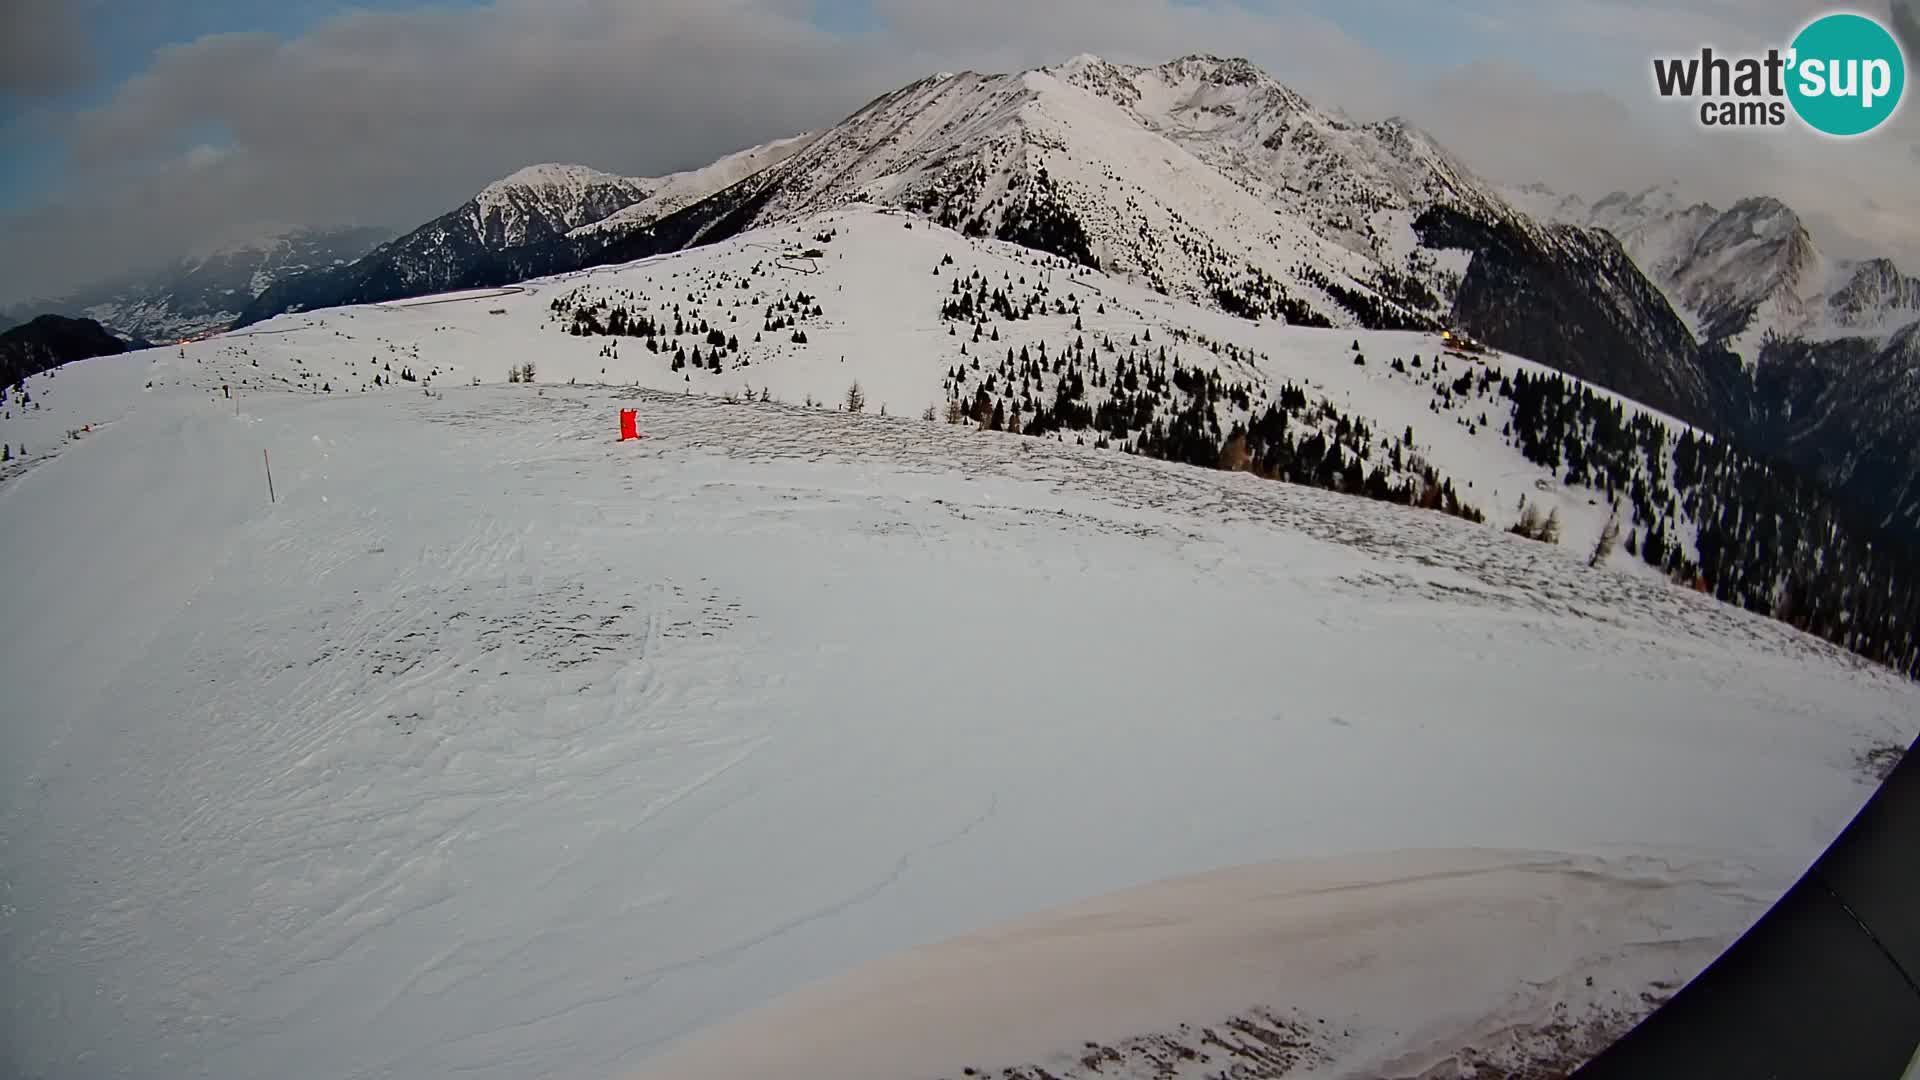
<point x="1609" y="538"/>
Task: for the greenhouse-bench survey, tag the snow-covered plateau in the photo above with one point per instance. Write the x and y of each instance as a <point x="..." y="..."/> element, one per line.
<point x="495" y="747"/>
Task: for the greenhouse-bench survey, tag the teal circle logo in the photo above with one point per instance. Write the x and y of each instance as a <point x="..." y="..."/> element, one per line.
<point x="1847" y="74"/>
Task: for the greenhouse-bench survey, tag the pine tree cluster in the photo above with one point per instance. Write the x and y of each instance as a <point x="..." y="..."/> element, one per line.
<point x="1044" y="222"/>
<point x="1256" y="295"/>
<point x="1371" y="311"/>
<point x="1150" y="402"/>
<point x="1764" y="537"/>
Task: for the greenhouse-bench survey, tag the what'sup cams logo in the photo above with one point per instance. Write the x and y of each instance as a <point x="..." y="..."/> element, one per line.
<point x="1843" y="74"/>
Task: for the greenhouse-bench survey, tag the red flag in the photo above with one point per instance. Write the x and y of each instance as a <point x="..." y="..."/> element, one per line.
<point x="629" y="424"/>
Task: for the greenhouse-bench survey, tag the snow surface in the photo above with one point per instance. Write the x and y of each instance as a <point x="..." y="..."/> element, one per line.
<point x="1393" y="964"/>
<point x="495" y="747"/>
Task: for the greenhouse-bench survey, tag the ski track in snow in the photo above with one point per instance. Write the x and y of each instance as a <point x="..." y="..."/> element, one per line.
<point x="496" y="748"/>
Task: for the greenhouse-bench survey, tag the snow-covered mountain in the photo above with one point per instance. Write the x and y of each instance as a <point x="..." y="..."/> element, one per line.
<point x="1203" y="178"/>
<point x="537" y="205"/>
<point x="1825" y="345"/>
<point x="540" y="202"/>
<point x="1743" y="274"/>
<point x="209" y="289"/>
<point x="677" y="191"/>
<point x="1747" y="274"/>
<point x="1874" y="299"/>
<point x="1208" y="180"/>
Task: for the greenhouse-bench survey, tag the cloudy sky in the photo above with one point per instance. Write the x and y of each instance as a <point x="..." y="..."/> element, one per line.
<point x="136" y="130"/>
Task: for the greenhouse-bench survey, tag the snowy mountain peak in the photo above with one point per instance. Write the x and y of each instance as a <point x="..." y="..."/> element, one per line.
<point x="1081" y="63"/>
<point x="1875" y="295"/>
<point x="1221" y="71"/>
<point x="549" y="177"/>
<point x="1740" y="275"/>
<point x="549" y="200"/>
<point x="1748" y="273"/>
<point x="1203" y="176"/>
<point x="1766" y="216"/>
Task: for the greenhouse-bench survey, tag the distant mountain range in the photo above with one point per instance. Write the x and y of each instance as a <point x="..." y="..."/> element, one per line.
<point x="484" y="241"/>
<point x="206" y="291"/>
<point x="1744" y="275"/>
<point x="1828" y="349"/>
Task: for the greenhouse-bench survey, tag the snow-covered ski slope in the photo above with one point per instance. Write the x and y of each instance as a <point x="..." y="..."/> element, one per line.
<point x="881" y="299"/>
<point x="1391" y="964"/>
<point x="497" y="748"/>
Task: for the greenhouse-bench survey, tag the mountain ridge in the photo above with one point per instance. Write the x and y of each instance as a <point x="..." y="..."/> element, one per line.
<point x="1203" y="177"/>
<point x="1746" y="274"/>
<point x="210" y="288"/>
<point x="46" y="342"/>
<point x="1818" y="363"/>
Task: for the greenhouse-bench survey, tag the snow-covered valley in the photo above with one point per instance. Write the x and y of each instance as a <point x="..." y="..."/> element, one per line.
<point x="496" y="747"/>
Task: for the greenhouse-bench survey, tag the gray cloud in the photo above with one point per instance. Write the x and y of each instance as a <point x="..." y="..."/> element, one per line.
<point x="1512" y="125"/>
<point x="394" y="117"/>
<point x="43" y="48"/>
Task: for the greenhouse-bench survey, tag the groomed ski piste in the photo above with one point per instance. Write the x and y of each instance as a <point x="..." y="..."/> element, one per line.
<point x="792" y="742"/>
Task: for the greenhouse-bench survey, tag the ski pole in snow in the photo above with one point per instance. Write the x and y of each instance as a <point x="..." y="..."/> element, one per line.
<point x="269" y="464"/>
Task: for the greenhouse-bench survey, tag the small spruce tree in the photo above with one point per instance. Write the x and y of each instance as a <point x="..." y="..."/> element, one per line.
<point x="1609" y="539"/>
